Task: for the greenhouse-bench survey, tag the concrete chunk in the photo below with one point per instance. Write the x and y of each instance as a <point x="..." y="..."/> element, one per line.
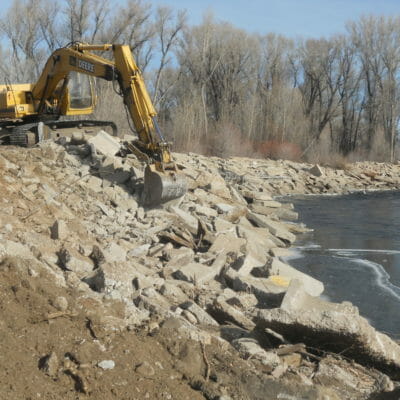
<point x="311" y="285"/>
<point x="196" y="273"/>
<point x="105" y="144"/>
<point x="316" y="170"/>
<point x="224" y="312"/>
<point x="114" y="253"/>
<point x="249" y="348"/>
<point x="334" y="327"/>
<point x="244" y="264"/>
<point x="267" y="291"/>
<point x="189" y="221"/>
<point x="59" y="230"/>
<point x="227" y="242"/>
<point x="274" y="227"/>
<point x="202" y="316"/>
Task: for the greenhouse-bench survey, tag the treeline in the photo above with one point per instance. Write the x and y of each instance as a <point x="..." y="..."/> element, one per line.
<point x="221" y="90"/>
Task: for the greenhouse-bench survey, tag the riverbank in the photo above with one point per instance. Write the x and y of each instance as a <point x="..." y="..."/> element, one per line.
<point x="104" y="299"/>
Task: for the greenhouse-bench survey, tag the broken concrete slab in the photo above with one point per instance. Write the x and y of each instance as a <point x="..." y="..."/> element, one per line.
<point x="177" y="258"/>
<point x="334" y="327"/>
<point x="316" y="170"/>
<point x="311" y="285"/>
<point x="274" y="227"/>
<point x="266" y="203"/>
<point x="224" y="312"/>
<point x="190" y="222"/>
<point x="223" y="226"/>
<point x="228" y="242"/>
<point x="94" y="183"/>
<point x="173" y="292"/>
<point x="105" y="144"/>
<point x="201" y="315"/>
<point x="59" y="230"/>
<point x="114" y="253"/>
<point x="259" y="237"/>
<point x="205" y="211"/>
<point x="268" y="292"/>
<point x="249" y="348"/>
<point x="196" y="273"/>
<point x="180" y="328"/>
<point x="245" y="264"/>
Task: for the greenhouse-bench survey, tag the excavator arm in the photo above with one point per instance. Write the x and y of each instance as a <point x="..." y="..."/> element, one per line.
<point x="162" y="180"/>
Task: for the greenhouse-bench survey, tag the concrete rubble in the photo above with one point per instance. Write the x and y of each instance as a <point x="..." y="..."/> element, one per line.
<point x="208" y="266"/>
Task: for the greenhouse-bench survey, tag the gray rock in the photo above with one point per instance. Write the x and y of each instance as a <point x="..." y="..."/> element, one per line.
<point x="188" y="220"/>
<point x="173" y="292"/>
<point x="334" y="327"/>
<point x="316" y="170"/>
<point x="139" y="251"/>
<point x="311" y="285"/>
<point x="223" y="312"/>
<point x="249" y="348"/>
<point x="196" y="273"/>
<point x="105" y="144"/>
<point x="274" y="227"/>
<point x="224" y="208"/>
<point x="266" y="204"/>
<point x="179" y="327"/>
<point x="202" y="316"/>
<point x="114" y="253"/>
<point x="259" y="237"/>
<point x="206" y="211"/>
<point x="223" y="226"/>
<point x="245" y="264"/>
<point x="50" y="364"/>
<point x="268" y="292"/>
<point x="61" y="303"/>
<point x="227" y="242"/>
<point x="106" y="364"/>
<point x="59" y="230"/>
<point x="94" y="183"/>
<point x="178" y="258"/>
<point x="152" y="301"/>
<point x="145" y="369"/>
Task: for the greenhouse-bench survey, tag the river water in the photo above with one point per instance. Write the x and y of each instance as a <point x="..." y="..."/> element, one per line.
<point x="355" y="251"/>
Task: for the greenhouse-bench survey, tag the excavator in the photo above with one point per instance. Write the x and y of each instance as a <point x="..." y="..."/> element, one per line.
<point x="30" y="113"/>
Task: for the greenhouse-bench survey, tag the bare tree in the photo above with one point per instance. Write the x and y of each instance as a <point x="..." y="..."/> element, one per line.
<point x="168" y="28"/>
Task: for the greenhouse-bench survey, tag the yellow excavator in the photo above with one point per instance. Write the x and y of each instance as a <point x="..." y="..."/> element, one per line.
<point x="30" y="113"/>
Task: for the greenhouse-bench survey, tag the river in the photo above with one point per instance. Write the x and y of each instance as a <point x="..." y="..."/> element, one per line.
<point x="355" y="251"/>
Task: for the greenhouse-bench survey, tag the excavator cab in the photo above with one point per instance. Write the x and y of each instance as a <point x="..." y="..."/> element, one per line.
<point x="80" y="98"/>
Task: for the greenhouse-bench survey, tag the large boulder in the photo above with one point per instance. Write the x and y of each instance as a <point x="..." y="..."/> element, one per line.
<point x="330" y="326"/>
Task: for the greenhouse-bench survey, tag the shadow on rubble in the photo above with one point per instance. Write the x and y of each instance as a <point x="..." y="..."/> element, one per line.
<point x="106" y="171"/>
<point x="395" y="395"/>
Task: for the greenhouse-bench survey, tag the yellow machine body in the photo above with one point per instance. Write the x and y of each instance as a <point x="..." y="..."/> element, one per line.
<point x="56" y="93"/>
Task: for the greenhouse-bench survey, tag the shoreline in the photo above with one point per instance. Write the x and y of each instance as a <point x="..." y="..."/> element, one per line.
<point x="201" y="281"/>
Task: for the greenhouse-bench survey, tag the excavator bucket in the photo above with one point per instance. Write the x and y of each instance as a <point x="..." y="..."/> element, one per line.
<point x="160" y="187"/>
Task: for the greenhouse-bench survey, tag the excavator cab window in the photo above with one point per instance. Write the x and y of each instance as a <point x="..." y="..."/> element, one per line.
<point x="80" y="91"/>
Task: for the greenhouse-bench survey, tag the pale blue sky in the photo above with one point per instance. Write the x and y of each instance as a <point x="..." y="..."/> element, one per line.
<point x="309" y="18"/>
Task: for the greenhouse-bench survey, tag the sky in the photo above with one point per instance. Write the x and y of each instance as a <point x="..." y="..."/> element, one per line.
<point x="293" y="18"/>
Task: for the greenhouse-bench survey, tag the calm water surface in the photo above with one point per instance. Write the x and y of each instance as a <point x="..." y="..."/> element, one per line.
<point x="355" y="251"/>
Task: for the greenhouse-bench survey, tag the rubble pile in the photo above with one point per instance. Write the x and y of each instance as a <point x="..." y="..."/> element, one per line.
<point x="206" y="269"/>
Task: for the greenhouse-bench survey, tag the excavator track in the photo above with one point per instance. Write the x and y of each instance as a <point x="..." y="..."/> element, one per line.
<point x="22" y="136"/>
<point x="27" y="135"/>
